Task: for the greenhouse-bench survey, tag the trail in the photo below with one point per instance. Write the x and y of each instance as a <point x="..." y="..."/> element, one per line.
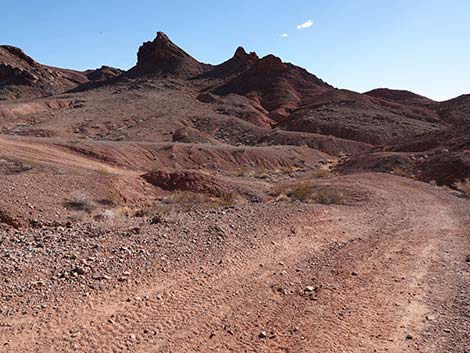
<point x="344" y="279"/>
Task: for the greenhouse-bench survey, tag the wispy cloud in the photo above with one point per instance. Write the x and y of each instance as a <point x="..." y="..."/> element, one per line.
<point x="305" y="25"/>
<point x="284" y="35"/>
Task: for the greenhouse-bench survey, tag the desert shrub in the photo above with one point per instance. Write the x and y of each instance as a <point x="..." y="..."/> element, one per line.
<point x="80" y="202"/>
<point x="308" y="192"/>
<point x="261" y="175"/>
<point x="226" y="198"/>
<point x="463" y="186"/>
<point x="399" y="172"/>
<point x="103" y="171"/>
<point x="105" y="215"/>
<point x="77" y="217"/>
<point x="156" y="210"/>
<point x="294" y="191"/>
<point x="321" y="173"/>
<point x="329" y="195"/>
<point x="243" y="172"/>
<point x="301" y="192"/>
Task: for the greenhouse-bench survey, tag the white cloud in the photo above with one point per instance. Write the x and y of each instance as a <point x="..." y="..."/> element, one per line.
<point x="305" y="25"/>
<point x="284" y="35"/>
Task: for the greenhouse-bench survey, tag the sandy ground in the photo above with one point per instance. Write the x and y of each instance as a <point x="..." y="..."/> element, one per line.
<point x="389" y="274"/>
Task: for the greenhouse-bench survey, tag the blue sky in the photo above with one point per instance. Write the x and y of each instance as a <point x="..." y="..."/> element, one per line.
<point x="423" y="46"/>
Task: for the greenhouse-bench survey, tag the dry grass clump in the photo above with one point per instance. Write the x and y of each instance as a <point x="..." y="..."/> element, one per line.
<point x="79" y="201"/>
<point x="158" y="213"/>
<point x="329" y="196"/>
<point x="244" y="172"/>
<point x="262" y="174"/>
<point x="301" y="192"/>
<point x="308" y="192"/>
<point x="321" y="173"/>
<point x="104" y="171"/>
<point x="463" y="186"/>
<point x="399" y="172"/>
<point x="293" y="191"/>
<point x="162" y="210"/>
<point x="227" y="198"/>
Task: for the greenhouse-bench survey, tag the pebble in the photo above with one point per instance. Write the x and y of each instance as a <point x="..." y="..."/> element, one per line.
<point x="262" y="334"/>
<point x="99" y="277"/>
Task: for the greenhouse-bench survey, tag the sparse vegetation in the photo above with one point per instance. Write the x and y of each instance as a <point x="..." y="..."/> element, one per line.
<point x="463" y="186"/>
<point x="329" y="195"/>
<point x="104" y="171"/>
<point x="321" y="173"/>
<point x="243" y="172"/>
<point x="79" y="201"/>
<point x="160" y="210"/>
<point x="301" y="191"/>
<point x="309" y="192"/>
<point x="399" y="172"/>
<point x="261" y="175"/>
<point x="227" y="198"/>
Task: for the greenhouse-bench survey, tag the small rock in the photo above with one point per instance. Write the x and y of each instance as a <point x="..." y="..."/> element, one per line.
<point x="262" y="334"/>
<point x="309" y="289"/>
<point x="79" y="270"/>
<point x="99" y="277"/>
<point x="409" y="337"/>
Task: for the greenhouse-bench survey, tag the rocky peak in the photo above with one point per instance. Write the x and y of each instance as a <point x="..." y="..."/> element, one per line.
<point x="162" y="56"/>
<point x="270" y="62"/>
<point x="240" y="62"/>
<point x="13" y="55"/>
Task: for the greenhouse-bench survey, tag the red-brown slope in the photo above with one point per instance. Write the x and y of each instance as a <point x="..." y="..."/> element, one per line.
<point x="456" y="111"/>
<point x="400" y="96"/>
<point x="279" y="87"/>
<point x="359" y="117"/>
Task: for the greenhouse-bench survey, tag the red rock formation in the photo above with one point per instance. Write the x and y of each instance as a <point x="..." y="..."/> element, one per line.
<point x="279" y="87"/>
<point x="162" y="56"/>
<point x="239" y="63"/>
<point x="21" y="76"/>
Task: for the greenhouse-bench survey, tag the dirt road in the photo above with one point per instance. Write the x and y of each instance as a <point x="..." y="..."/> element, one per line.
<point x="385" y="275"/>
